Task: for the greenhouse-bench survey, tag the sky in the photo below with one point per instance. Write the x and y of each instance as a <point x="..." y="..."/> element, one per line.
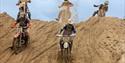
<point x="48" y="9"/>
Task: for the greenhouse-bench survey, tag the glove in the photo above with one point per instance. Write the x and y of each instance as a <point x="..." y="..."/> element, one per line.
<point x="13" y="25"/>
<point x="29" y="25"/>
<point x="58" y="35"/>
<point x="95" y="5"/>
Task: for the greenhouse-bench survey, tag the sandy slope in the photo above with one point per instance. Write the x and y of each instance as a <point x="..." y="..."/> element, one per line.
<point x="98" y="40"/>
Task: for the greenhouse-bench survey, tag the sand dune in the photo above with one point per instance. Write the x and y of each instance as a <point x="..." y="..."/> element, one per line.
<point x="98" y="40"/>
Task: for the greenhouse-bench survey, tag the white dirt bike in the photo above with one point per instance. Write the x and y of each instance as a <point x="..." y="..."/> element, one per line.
<point x="66" y="47"/>
<point x="65" y="15"/>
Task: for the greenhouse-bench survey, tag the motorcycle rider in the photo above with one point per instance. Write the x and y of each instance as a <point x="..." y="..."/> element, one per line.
<point x="68" y="30"/>
<point x="22" y="4"/>
<point x="66" y="5"/>
<point x="102" y="7"/>
<point x="22" y="21"/>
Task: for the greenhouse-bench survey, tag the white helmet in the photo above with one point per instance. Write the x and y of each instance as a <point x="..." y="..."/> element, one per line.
<point x="106" y="2"/>
<point x="70" y="21"/>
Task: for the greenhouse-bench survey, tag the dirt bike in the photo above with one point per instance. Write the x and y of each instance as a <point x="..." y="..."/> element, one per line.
<point x="66" y="47"/>
<point x="21" y="41"/>
<point x="101" y="12"/>
<point x="65" y="15"/>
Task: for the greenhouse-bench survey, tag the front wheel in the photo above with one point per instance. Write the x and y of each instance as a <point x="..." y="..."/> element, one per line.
<point x="15" y="45"/>
<point x="27" y="41"/>
<point x="66" y="55"/>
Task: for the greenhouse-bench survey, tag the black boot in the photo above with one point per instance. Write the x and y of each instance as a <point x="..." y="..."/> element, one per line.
<point x="29" y="15"/>
<point x="13" y="44"/>
<point x="95" y="13"/>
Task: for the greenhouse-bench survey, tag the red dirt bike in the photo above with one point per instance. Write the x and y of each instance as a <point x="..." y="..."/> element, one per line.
<point x="21" y="41"/>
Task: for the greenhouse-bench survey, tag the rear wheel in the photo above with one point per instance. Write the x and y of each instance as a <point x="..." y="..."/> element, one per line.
<point x="24" y="40"/>
<point x="27" y="39"/>
<point x="18" y="45"/>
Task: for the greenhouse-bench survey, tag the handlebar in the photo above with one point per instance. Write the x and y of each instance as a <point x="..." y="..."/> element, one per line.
<point x="72" y="35"/>
<point x="20" y="26"/>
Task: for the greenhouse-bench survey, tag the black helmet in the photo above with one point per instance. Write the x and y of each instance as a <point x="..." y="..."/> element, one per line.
<point x="65" y="0"/>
